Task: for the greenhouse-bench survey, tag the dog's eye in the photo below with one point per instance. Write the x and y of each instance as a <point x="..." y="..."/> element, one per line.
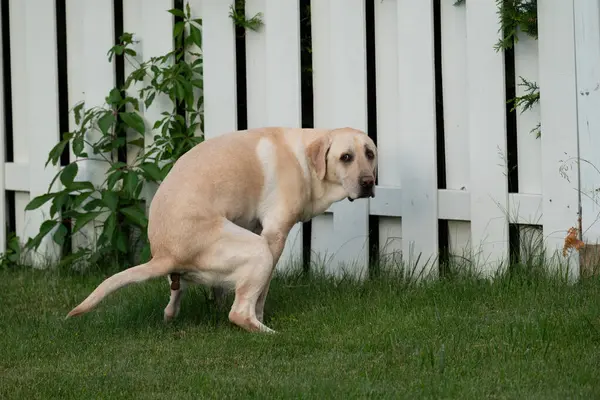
<point x="370" y="155"/>
<point x="346" y="157"/>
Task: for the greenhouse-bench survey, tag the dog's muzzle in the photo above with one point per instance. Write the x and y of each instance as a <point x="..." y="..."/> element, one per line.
<point x="367" y="186"/>
<point x="364" y="195"/>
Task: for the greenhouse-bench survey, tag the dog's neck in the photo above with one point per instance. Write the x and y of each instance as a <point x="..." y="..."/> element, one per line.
<point x="322" y="196"/>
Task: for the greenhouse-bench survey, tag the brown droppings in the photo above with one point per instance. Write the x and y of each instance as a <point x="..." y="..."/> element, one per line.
<point x="175" y="284"/>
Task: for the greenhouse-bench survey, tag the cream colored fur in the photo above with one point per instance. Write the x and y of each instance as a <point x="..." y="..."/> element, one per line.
<point x="222" y="215"/>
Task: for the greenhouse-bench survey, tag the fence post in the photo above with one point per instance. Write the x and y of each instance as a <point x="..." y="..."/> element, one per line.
<point x="41" y="116"/>
<point x="90" y="34"/>
<point x="418" y="158"/>
<point x="3" y="205"/>
<point x="274" y="86"/>
<point x="487" y="138"/>
<point x="339" y="63"/>
<point x="220" y="93"/>
<point x="558" y="107"/>
<point x="587" y="59"/>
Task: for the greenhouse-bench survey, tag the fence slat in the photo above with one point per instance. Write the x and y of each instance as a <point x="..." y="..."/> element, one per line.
<point x="220" y="95"/>
<point x="529" y="146"/>
<point x="456" y="132"/>
<point x="133" y="23"/>
<point x="418" y="158"/>
<point x="487" y="137"/>
<point x="3" y="203"/>
<point x="90" y="34"/>
<point x="558" y="105"/>
<point x="388" y="138"/>
<point x="587" y="35"/>
<point x="256" y="63"/>
<point x="273" y="82"/>
<point x="156" y="40"/>
<point x="18" y="63"/>
<point x="42" y="112"/>
<point x="339" y="63"/>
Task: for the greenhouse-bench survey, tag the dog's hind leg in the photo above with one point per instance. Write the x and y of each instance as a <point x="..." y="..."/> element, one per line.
<point x="152" y="269"/>
<point x="247" y="260"/>
<point x="177" y="288"/>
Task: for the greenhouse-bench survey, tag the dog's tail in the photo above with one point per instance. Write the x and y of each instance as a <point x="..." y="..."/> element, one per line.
<point x="152" y="269"/>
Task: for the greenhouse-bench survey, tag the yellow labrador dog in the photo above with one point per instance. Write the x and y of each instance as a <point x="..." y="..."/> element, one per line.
<point x="222" y="215"/>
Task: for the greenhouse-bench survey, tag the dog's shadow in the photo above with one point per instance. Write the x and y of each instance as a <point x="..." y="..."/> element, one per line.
<point x="138" y="308"/>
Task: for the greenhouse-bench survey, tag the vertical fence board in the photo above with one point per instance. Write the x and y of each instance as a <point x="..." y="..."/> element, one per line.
<point x="322" y="226"/>
<point x="195" y="13"/>
<point x="133" y="23"/>
<point x="388" y="130"/>
<point x="418" y="158"/>
<point x="529" y="154"/>
<point x="487" y="137"/>
<point x="587" y="35"/>
<point x="220" y="96"/>
<point x="90" y="34"/>
<point x="42" y="113"/>
<point x="529" y="146"/>
<point x="273" y="83"/>
<point x="456" y="132"/>
<point x="339" y="64"/>
<point x="3" y="203"/>
<point x="559" y="126"/>
<point x="256" y="71"/>
<point x="156" y="40"/>
<point x="18" y="78"/>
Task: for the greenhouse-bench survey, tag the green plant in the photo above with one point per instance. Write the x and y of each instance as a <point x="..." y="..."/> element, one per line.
<point x="238" y="16"/>
<point x="116" y="206"/>
<point x="12" y="256"/>
<point x="527" y="100"/>
<point x="515" y="16"/>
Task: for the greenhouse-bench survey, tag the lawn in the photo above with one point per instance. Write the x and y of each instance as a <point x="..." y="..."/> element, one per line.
<point x="455" y="338"/>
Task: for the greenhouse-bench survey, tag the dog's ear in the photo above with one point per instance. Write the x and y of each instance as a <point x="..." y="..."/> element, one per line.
<point x="317" y="154"/>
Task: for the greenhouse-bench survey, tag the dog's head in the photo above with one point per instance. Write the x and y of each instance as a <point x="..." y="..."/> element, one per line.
<point x="347" y="157"/>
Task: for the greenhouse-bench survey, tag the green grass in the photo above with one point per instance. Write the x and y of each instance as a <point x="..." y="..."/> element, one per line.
<point x="533" y="338"/>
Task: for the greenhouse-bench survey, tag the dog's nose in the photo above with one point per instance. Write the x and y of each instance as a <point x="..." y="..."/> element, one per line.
<point x="367" y="182"/>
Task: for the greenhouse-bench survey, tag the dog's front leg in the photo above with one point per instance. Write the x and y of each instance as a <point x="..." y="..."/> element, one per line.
<point x="276" y="238"/>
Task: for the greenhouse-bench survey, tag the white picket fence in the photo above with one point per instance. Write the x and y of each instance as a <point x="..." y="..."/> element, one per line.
<point x="565" y="61"/>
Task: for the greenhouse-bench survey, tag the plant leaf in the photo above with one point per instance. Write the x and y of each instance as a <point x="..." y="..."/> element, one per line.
<point x="139" y="142"/>
<point x="45" y="228"/>
<point x="113" y="178"/>
<point x="60" y="234"/>
<point x="135" y="215"/>
<point x="68" y="174"/>
<point x="134" y="121"/>
<point x="196" y="35"/>
<point x="110" y="200"/>
<point x="130" y="183"/>
<point x="56" y="152"/>
<point x="115" y="95"/>
<point x="83" y="218"/>
<point x="177" y="12"/>
<point x="106" y="121"/>
<point x="38" y="201"/>
<point x="151" y="171"/>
